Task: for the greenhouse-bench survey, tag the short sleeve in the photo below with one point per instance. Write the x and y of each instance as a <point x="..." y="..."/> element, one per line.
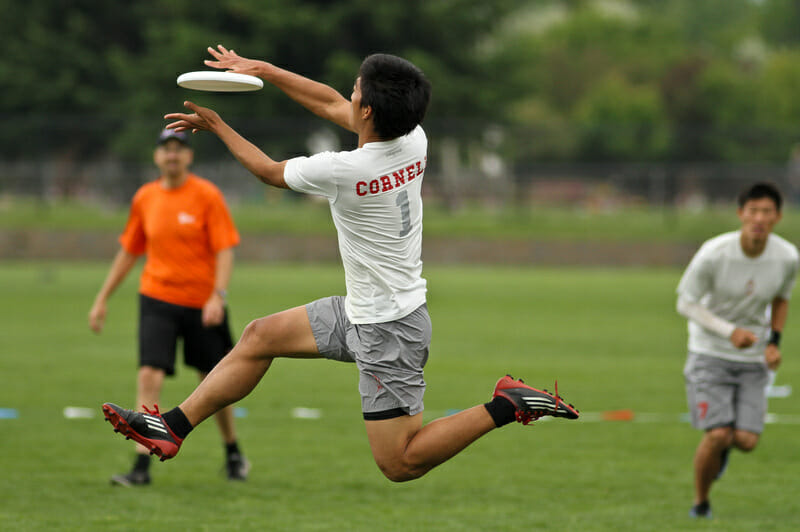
<point x="312" y="175"/>
<point x="133" y="238"/>
<point x="697" y="279"/>
<point x="221" y="229"/>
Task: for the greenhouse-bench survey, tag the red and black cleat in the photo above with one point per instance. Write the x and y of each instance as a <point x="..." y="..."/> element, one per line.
<point x="148" y="429"/>
<point x="530" y="403"/>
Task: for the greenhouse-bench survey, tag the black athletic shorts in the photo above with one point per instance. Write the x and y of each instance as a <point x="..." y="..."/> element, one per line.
<point x="160" y="326"/>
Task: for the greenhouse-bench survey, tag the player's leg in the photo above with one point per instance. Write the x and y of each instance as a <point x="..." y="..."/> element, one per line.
<point x="405" y="450"/>
<point x="751" y="406"/>
<point x="391" y="357"/>
<point x="708" y="460"/>
<point x="745" y="440"/>
<point x="225" y="423"/>
<point x="710" y="395"/>
<point x="742" y="387"/>
<point x="285" y="334"/>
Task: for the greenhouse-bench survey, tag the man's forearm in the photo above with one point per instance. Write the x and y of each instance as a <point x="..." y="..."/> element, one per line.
<point x="252" y="158"/>
<point x="120" y="266"/>
<point x="780" y="310"/>
<point x="224" y="269"/>
<point x="319" y="98"/>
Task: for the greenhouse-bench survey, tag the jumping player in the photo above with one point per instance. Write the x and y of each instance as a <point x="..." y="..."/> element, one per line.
<point x="382" y="324"/>
<point x="735" y="293"/>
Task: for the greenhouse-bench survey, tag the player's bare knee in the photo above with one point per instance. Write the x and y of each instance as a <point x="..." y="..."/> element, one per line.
<point x="745" y="441"/>
<point x="257" y="338"/>
<point x="400" y="470"/>
<point x="746" y="447"/>
<point x="399" y="474"/>
<point x="250" y="334"/>
<point x="395" y="475"/>
<point x="720" y="437"/>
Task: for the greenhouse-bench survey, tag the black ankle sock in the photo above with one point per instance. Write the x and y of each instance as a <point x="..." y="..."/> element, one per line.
<point x="502" y="411"/>
<point x="231" y="449"/>
<point x="142" y="462"/>
<point x="177" y="422"/>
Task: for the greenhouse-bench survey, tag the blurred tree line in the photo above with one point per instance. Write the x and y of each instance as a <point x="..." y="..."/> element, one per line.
<point x="563" y="80"/>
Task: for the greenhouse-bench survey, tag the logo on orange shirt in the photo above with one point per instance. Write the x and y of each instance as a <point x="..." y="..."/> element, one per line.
<point x="185" y="218"/>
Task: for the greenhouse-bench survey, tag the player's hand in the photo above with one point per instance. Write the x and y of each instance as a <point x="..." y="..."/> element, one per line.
<point x="232" y="62"/>
<point x="773" y="356"/>
<point x="213" y="311"/>
<point x="97" y="316"/>
<point x="742" y="338"/>
<point x="202" y="119"/>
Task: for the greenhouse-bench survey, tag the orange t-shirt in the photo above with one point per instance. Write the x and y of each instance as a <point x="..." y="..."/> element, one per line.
<point x="181" y="230"/>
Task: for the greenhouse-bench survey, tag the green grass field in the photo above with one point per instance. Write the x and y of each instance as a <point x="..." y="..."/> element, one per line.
<point x="611" y="338"/>
<point x="281" y="214"/>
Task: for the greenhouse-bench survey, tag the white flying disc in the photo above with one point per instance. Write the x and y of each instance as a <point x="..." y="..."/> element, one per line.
<point x="216" y="81"/>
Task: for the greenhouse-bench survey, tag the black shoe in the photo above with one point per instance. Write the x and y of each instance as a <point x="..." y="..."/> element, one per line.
<point x="702" y="510"/>
<point x="237" y="467"/>
<point x="530" y="403"/>
<point x="134" y="478"/>
<point x="148" y="429"/>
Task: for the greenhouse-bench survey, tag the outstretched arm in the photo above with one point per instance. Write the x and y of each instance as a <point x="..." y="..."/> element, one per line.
<point x="252" y="158"/>
<point x="322" y="100"/>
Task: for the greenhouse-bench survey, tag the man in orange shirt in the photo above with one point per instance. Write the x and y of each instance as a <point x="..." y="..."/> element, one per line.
<point x="181" y="222"/>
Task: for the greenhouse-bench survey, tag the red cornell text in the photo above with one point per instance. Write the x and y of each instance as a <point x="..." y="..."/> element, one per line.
<point x="387" y="182"/>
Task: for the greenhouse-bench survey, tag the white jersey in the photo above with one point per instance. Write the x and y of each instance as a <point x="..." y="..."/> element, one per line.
<point x="375" y="195"/>
<point x="739" y="289"/>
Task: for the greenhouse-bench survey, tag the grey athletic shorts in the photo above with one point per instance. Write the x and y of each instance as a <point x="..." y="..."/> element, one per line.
<point x="725" y="393"/>
<point x="389" y="356"/>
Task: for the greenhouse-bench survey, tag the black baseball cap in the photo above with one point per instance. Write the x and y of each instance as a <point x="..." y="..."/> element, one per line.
<point x="169" y="134"/>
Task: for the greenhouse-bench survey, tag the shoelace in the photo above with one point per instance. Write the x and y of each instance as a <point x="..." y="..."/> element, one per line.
<point x="527" y="417"/>
<point x="151" y="412"/>
<point x="557" y="398"/>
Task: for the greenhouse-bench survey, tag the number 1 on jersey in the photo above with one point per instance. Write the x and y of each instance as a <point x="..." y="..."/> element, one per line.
<point x="405" y="212"/>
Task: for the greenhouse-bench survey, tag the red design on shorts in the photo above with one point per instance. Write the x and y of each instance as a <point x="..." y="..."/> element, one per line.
<point x="703" y="406"/>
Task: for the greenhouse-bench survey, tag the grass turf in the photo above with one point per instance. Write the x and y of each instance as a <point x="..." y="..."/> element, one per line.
<point x="287" y="215"/>
<point x="612" y="339"/>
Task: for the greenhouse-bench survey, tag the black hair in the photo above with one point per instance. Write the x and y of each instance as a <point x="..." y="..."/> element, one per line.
<point x="762" y="189"/>
<point x="397" y="91"/>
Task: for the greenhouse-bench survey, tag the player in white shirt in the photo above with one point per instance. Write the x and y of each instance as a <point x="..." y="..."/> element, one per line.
<point x="735" y="293"/>
<point x="382" y="325"/>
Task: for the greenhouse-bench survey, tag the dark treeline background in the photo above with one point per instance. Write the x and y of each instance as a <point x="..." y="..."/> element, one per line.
<point x="539" y="81"/>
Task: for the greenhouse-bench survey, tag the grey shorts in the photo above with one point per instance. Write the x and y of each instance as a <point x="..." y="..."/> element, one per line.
<point x="725" y="393"/>
<point x="389" y="356"/>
